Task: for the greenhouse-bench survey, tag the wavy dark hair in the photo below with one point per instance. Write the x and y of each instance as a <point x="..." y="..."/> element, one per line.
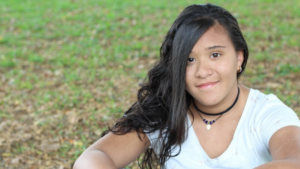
<point x="162" y="99"/>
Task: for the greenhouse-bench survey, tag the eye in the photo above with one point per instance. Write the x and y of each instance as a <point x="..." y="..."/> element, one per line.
<point x="191" y="59"/>
<point x="215" y="55"/>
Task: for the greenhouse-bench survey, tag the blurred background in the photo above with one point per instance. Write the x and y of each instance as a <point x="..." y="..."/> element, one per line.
<point x="69" y="68"/>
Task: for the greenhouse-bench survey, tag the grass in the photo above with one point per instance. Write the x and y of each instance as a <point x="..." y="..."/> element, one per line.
<point x="69" y="68"/>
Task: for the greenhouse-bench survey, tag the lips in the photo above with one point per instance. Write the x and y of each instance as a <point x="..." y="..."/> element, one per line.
<point x="207" y="85"/>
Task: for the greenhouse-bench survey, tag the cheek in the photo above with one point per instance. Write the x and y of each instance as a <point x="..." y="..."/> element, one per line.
<point x="226" y="69"/>
<point x="188" y="74"/>
<point x="188" y="79"/>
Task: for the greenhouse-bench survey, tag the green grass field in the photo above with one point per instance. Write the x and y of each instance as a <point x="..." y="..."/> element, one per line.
<point x="68" y="68"/>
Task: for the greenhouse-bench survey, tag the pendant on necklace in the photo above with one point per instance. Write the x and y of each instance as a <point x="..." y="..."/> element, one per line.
<point x="208" y="126"/>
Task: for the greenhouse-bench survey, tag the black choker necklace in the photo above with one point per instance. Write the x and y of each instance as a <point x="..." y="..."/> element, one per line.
<point x="209" y="123"/>
<point x="210" y="114"/>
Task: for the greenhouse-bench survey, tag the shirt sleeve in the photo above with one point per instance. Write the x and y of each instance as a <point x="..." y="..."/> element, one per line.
<point x="276" y="115"/>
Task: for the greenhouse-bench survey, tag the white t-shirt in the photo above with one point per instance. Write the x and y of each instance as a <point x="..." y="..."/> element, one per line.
<point x="263" y="115"/>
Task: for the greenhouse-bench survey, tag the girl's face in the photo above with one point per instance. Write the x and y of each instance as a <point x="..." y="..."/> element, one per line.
<point x="212" y="68"/>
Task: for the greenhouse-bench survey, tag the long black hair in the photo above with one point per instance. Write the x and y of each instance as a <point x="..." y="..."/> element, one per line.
<point x="163" y="100"/>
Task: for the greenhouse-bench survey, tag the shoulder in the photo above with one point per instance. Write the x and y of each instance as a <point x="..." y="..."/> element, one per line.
<point x="268" y="110"/>
<point x="266" y="103"/>
<point x="270" y="114"/>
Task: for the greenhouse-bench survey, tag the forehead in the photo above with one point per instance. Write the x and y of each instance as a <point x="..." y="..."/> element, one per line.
<point x="214" y="36"/>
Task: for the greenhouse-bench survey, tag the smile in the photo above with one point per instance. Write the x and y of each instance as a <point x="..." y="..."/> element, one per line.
<point x="207" y="85"/>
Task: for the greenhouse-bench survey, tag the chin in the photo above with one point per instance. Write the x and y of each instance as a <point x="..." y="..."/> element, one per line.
<point x="208" y="102"/>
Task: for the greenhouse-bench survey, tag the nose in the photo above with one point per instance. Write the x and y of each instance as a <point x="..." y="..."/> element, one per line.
<point x="203" y="70"/>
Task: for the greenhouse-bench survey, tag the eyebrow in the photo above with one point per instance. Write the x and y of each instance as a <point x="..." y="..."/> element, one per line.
<point x="214" y="47"/>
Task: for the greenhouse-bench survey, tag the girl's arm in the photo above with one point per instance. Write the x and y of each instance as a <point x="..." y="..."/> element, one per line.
<point x="113" y="151"/>
<point x="285" y="149"/>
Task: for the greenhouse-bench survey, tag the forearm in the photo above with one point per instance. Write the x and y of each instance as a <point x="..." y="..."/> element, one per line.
<point x="281" y="164"/>
<point x="94" y="159"/>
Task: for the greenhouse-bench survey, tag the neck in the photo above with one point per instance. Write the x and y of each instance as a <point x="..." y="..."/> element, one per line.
<point x="225" y="110"/>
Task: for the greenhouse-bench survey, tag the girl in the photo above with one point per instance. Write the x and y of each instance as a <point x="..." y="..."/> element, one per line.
<point x="193" y="113"/>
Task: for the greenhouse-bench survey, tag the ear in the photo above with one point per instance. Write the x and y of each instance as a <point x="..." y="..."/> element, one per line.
<point x="240" y="58"/>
